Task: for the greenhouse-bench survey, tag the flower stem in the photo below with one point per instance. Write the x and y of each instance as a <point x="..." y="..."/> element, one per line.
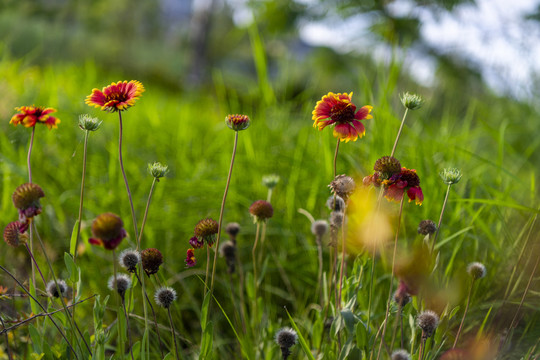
<point x="464" y="314"/>
<point x="127" y="325"/>
<point x="399" y="132"/>
<point x="153" y="312"/>
<point x="422" y="346"/>
<point x="318" y="240"/>
<point x="253" y="254"/>
<point x="335" y="162"/>
<point x="398" y="320"/>
<point x="343" y="261"/>
<point x="391" y="277"/>
<point x="7" y="338"/>
<point x="173" y="333"/>
<point x="513" y="323"/>
<point x="30" y="153"/>
<point x="146" y="213"/>
<point x="81" y="200"/>
<point x="36" y="264"/>
<point x="220" y="223"/>
<point x="124" y="174"/>
<point x="440" y="218"/>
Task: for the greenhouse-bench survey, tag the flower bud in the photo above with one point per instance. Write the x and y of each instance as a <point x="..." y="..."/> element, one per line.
<point x="450" y="176"/>
<point x="158" y="170"/>
<point x="270" y="181"/>
<point x="151" y="260"/>
<point x="89" y="123"/>
<point x="476" y="270"/>
<point x="412" y="101"/>
<point x="165" y="296"/>
<point x="261" y="210"/>
<point x="237" y="122"/>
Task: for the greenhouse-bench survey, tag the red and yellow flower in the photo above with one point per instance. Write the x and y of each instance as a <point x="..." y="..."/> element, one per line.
<point x="117" y="96"/>
<point x="395" y="186"/>
<point x="29" y="116"/>
<point x="338" y="109"/>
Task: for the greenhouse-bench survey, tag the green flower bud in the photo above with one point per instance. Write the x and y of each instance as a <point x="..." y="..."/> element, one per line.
<point x="88" y="123"/>
<point x="450" y="176"/>
<point x="412" y="101"/>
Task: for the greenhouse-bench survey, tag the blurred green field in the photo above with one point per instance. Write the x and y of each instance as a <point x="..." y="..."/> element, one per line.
<point x="492" y="139"/>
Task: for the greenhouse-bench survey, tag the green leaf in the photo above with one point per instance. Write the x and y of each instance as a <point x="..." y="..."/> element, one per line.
<point x="70" y="265"/>
<point x="361" y="335"/>
<point x="73" y="242"/>
<point x="169" y="356"/>
<point x="36" y="339"/>
<point x="207" y="339"/>
<point x="301" y="339"/>
<point x="204" y="311"/>
<point x="33" y="305"/>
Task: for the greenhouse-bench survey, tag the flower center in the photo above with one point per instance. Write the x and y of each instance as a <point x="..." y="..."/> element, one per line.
<point x="342" y="112"/>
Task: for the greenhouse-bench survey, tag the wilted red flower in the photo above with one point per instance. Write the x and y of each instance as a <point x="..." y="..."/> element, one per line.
<point x="196" y="243"/>
<point x="151" y="260"/>
<point x="190" y="258"/>
<point x="261" y="210"/>
<point x="117" y="96"/>
<point x="26" y="200"/>
<point x="14" y="233"/>
<point x="338" y="109"/>
<point x="29" y="116"/>
<point x="108" y="231"/>
<point x="407" y="180"/>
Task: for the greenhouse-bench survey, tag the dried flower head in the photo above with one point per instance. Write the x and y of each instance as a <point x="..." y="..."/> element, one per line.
<point x="120" y="285"/>
<point x="89" y="123"/>
<point x="428" y="322"/>
<point x="191" y="261"/>
<point x="196" y="243"/>
<point x="286" y="338"/>
<point x="319" y="227"/>
<point x="29" y="116"/>
<point x="129" y="259"/>
<point x="165" y="296"/>
<point x="476" y="270"/>
<point x="401" y="355"/>
<point x="26" y="200"/>
<point x="53" y="291"/>
<point x="338" y="109"/>
<point x="335" y="203"/>
<point x="117" y="96"/>
<point x="412" y="101"/>
<point x="232" y="229"/>
<point x="206" y="230"/>
<point x="15" y="233"/>
<point x="336" y="219"/>
<point x="427" y="227"/>
<point x="151" y="260"/>
<point x="343" y="186"/>
<point x="108" y="231"/>
<point x="270" y="181"/>
<point x="261" y="210"/>
<point x="237" y="122"/>
<point x="387" y="166"/>
<point x="158" y="170"/>
<point x="228" y="251"/>
<point x="450" y="176"/>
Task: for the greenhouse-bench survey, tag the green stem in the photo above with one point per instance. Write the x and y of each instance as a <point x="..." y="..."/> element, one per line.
<point x="7" y="338"/>
<point x="173" y="333"/>
<point x="127" y="325"/>
<point x="146" y="213"/>
<point x="440" y="218"/>
<point x="343" y="261"/>
<point x="513" y="323"/>
<point x="81" y="200"/>
<point x="253" y="255"/>
<point x="335" y="161"/>
<point x="36" y="265"/>
<point x="399" y="132"/>
<point x="464" y="314"/>
<point x="153" y="312"/>
<point x="31" y="238"/>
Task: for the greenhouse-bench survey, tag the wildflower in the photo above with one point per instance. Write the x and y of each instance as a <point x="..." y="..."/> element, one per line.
<point x="191" y="261"/>
<point x="29" y="116"/>
<point x="89" y="123"/>
<point x="406" y="181"/>
<point x="232" y="229"/>
<point x="151" y="260"/>
<point x="158" y="170"/>
<point x="450" y="176"/>
<point x="339" y="110"/>
<point x="319" y="227"/>
<point x="14" y="233"/>
<point x="26" y="200"/>
<point x="261" y="211"/>
<point x="165" y="296"/>
<point x="206" y="230"/>
<point x="237" y="122"/>
<point x="108" y="231"/>
<point x="412" y="101"/>
<point x="427" y="227"/>
<point x="53" y="291"/>
<point x="117" y="96"/>
<point x="129" y="259"/>
<point x="120" y="284"/>
<point x="196" y="243"/>
<point x="387" y="166"/>
<point x="270" y="181"/>
<point x="476" y="270"/>
<point x="428" y="322"/>
<point x="286" y="338"/>
<point x="335" y="203"/>
<point x="343" y="186"/>
<point x="228" y="251"/>
<point x="401" y="355"/>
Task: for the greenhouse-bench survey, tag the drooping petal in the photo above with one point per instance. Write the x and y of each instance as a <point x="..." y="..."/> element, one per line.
<point x="394" y="192"/>
<point x="364" y="113"/>
<point x="415" y="193"/>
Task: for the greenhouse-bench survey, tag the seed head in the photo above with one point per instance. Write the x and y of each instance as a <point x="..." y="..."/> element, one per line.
<point x="15" y="233"/>
<point x="412" y="101"/>
<point x="343" y="186"/>
<point x="428" y="322"/>
<point x="26" y="200"/>
<point x="261" y="210"/>
<point x="53" y="291"/>
<point x="206" y="230"/>
<point x="129" y="259"/>
<point x="427" y="227"/>
<point x="401" y="355"/>
<point x="237" y="122"/>
<point x="476" y="270"/>
<point x="337" y="205"/>
<point x="319" y="227"/>
<point x="228" y="251"/>
<point x="165" y="296"/>
<point x="151" y="260"/>
<point x="387" y="166"/>
<point x="450" y="176"/>
<point x="232" y="229"/>
<point x="336" y="219"/>
<point x="123" y="283"/>
<point x="158" y="170"/>
<point x="270" y="181"/>
<point x="107" y="230"/>
<point x="286" y="338"/>
<point x="89" y="123"/>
